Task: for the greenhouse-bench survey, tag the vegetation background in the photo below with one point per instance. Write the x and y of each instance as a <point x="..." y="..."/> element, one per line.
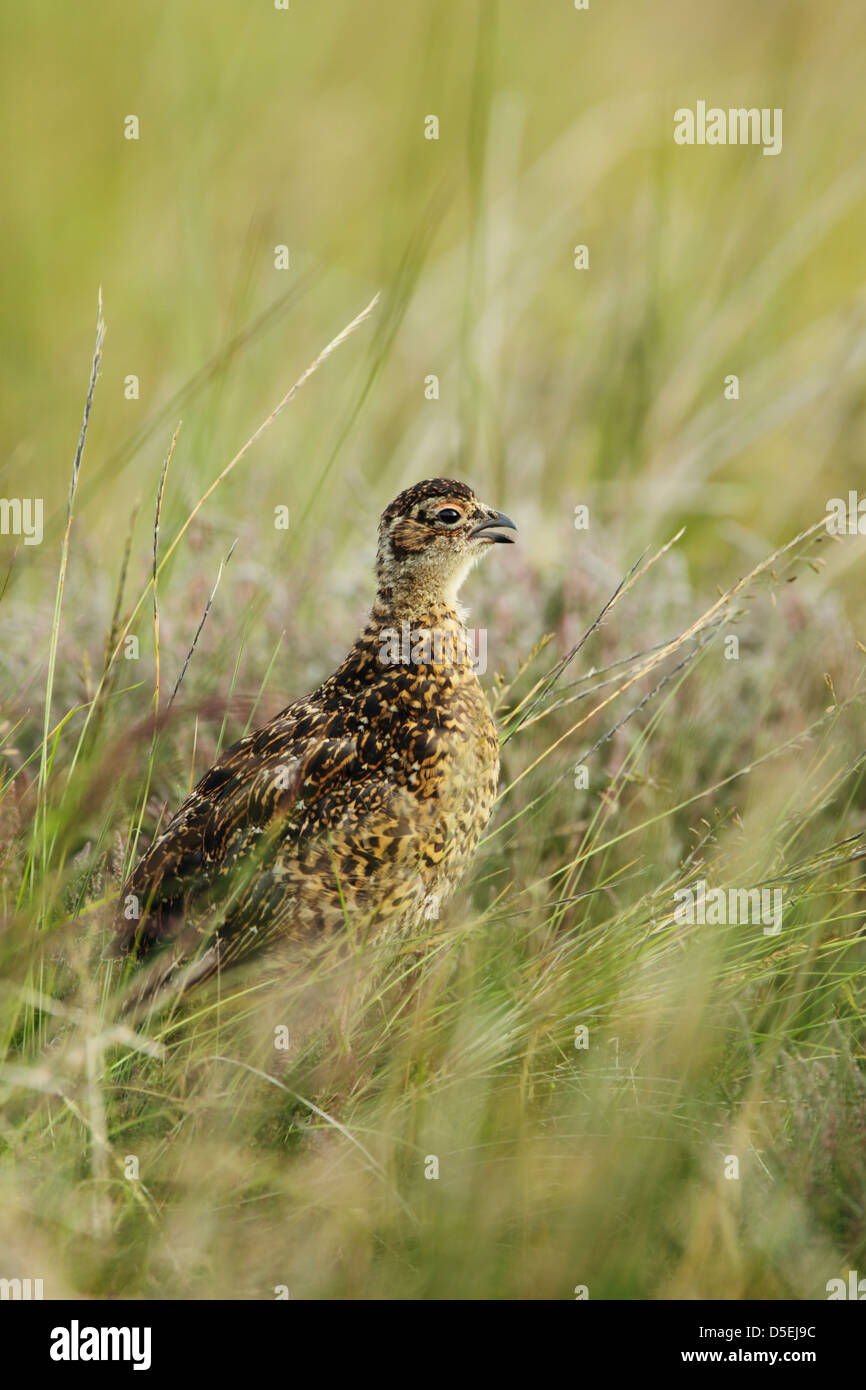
<point x="604" y="1167"/>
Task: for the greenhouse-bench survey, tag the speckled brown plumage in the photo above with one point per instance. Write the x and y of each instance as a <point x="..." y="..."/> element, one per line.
<point x="359" y="805"/>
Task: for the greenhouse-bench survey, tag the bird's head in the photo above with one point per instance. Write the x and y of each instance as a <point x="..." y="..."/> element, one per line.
<point x="429" y="539"/>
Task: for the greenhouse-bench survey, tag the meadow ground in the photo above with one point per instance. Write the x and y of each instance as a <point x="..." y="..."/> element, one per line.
<point x="586" y="1074"/>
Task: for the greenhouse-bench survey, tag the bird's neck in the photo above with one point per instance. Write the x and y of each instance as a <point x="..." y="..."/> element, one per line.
<point x="418" y="609"/>
<point x="425" y="592"/>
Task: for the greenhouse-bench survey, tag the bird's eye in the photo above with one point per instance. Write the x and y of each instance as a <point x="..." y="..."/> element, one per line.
<point x="449" y="515"/>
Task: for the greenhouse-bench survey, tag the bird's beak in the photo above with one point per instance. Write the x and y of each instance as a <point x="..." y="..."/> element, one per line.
<point x="491" y="526"/>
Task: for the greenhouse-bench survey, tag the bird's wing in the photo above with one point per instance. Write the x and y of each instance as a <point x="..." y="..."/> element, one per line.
<point x="248" y="801"/>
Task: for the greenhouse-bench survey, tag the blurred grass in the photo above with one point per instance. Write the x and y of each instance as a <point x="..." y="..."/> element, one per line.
<point x="558" y="1167"/>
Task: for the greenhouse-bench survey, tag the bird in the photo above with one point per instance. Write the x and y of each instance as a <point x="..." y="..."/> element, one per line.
<point x="356" y="808"/>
